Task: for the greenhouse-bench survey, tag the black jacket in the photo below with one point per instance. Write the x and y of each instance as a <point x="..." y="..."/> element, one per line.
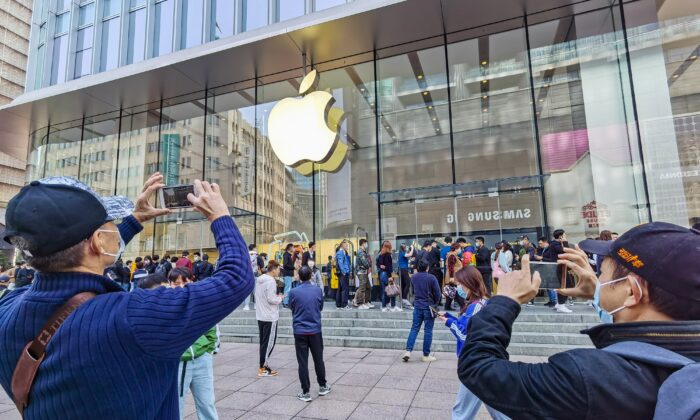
<point x="202" y="270"/>
<point x="577" y="384"/>
<point x="287" y="265"/>
<point x="483" y="260"/>
<point x="308" y="255"/>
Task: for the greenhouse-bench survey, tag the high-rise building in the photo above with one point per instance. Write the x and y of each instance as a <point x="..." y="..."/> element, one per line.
<point x="495" y="118"/>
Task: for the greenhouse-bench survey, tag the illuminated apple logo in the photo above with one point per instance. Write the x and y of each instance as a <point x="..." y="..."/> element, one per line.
<point x="304" y="132"/>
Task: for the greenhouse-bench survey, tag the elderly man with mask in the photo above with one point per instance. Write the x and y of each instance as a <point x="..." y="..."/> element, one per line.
<point x="645" y="361"/>
<point x="114" y="355"/>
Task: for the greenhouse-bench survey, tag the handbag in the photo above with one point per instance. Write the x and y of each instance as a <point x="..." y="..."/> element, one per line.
<point x="392" y="290"/>
<point x="449" y="291"/>
<point x="497" y="270"/>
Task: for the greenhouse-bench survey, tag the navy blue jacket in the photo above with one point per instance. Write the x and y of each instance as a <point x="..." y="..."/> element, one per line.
<point x="116" y="356"/>
<point x="306" y="303"/>
<point x="426" y="289"/>
<point x="577" y="384"/>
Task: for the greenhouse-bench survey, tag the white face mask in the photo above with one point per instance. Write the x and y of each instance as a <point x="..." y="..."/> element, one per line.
<point x="122" y="245"/>
<point x="312" y="263"/>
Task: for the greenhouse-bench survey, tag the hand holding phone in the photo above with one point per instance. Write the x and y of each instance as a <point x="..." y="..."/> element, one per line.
<point x="553" y="275"/>
<point x="174" y="197"/>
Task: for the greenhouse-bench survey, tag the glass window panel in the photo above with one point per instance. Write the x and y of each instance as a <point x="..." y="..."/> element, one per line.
<point x="288" y="9"/>
<point x="86" y="14"/>
<point x="584" y="140"/>
<point x="415" y="132"/>
<point x="37" y="155"/>
<point x="42" y="33"/>
<point x="111" y="7"/>
<point x="109" y="57"/>
<point x="59" y="60"/>
<point x="62" y="5"/>
<point x="136" y="3"/>
<point x="222" y="12"/>
<point x="136" y="47"/>
<point x="192" y="23"/>
<point x="62" y="23"/>
<point x="491" y="109"/>
<point x="83" y="54"/>
<point x="39" y="71"/>
<point x="98" y="164"/>
<point x="255" y="14"/>
<point x="325" y="4"/>
<point x="664" y="42"/>
<point x="163" y="28"/>
<point x="63" y="153"/>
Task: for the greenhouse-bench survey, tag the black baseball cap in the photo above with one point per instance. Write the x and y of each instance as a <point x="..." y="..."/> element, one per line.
<point x="55" y="213"/>
<point x="427" y="242"/>
<point x="663" y="254"/>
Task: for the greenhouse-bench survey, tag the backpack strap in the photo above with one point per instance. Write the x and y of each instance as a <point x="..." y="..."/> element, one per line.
<point x="33" y="353"/>
<point x="677" y="397"/>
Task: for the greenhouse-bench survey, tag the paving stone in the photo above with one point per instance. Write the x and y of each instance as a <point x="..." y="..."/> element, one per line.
<point x="224" y="414"/>
<point x="222" y="393"/>
<point x="280" y="405"/>
<point x="379" y="412"/>
<point x="445" y="374"/>
<point x="322" y="408"/>
<point x="411" y="383"/>
<point x="343" y="367"/>
<point x="425" y="399"/>
<point x="233" y="383"/>
<point x="450" y="385"/>
<point x="415" y="413"/>
<point x="253" y="415"/>
<point x="267" y="386"/>
<point x="367" y="368"/>
<point x="388" y="396"/>
<point x="352" y="354"/>
<point x="380" y="360"/>
<point x="346" y="392"/>
<point x="242" y="400"/>
<point x="358" y="379"/>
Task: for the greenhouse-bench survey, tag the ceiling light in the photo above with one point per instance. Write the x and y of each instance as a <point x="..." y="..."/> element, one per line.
<point x="484" y="81"/>
<point x="437" y="129"/>
<point x="541" y="100"/>
<point x="425" y="93"/>
<point x="434" y="119"/>
<point x="430" y="107"/>
<point x="484" y="97"/>
<point x="483" y="63"/>
<point x="693" y="57"/>
<point x="420" y="76"/>
<point x="675" y="76"/>
<point x="362" y="89"/>
<point x="486" y="110"/>
<point x="546" y="85"/>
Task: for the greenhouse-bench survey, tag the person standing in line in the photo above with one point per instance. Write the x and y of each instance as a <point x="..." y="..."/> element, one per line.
<point x="453" y="264"/>
<point x="309" y="255"/>
<point x="443" y="254"/>
<point x="184" y="261"/>
<point x="119" y="273"/>
<point x="470" y="285"/>
<point x="267" y="314"/>
<point x="342" y="261"/>
<point x="316" y="277"/>
<point x="405" y="274"/>
<point x="255" y="267"/>
<point x="363" y="265"/>
<point x="148" y="264"/>
<point x="204" y="270"/>
<point x="287" y="271"/>
<point x="483" y="262"/>
<point x="543" y="254"/>
<point x="306" y="303"/>
<point x="556" y="248"/>
<point x="385" y="268"/>
<point x="139" y="274"/>
<point x="434" y="258"/>
<point x="427" y="296"/>
<point x="526" y="248"/>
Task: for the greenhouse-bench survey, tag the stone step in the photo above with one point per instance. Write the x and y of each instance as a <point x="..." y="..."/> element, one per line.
<point x="528" y="349"/>
<point x="440" y="333"/>
<point x="405" y="324"/>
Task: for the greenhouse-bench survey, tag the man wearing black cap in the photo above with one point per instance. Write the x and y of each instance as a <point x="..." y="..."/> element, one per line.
<point x="648" y="296"/>
<point x="106" y="354"/>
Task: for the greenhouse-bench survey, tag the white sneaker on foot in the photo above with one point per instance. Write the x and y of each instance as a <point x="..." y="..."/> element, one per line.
<point x="385" y="309"/>
<point x="363" y="306"/>
<point x="561" y="308"/>
<point x="246" y="308"/>
<point x="429" y="358"/>
<point x="406" y="356"/>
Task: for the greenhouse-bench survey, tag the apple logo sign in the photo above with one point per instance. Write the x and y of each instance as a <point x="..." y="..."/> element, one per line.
<point x="304" y="132"/>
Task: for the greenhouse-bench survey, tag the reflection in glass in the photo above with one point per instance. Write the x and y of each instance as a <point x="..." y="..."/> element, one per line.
<point x="192" y="23"/>
<point x="83" y="52"/>
<point x="254" y="14"/>
<point x="109" y="56"/>
<point x="136" y="47"/>
<point x="288" y="9"/>
<point x="59" y="60"/>
<point x="63" y="152"/>
<point x="163" y="28"/>
<point x="111" y="7"/>
<point x="222" y="12"/>
<point x="98" y="162"/>
<point x="325" y="4"/>
<point x="39" y="67"/>
<point x="86" y="14"/>
<point x="62" y="23"/>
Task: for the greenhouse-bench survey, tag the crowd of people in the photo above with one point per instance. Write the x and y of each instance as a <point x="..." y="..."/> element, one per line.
<point x="74" y="298"/>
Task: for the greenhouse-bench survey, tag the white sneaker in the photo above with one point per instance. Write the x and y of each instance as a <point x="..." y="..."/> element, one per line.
<point x="406" y="356"/>
<point x="370" y="306"/>
<point x="363" y="306"/>
<point x="395" y="309"/>
<point x="561" y="308"/>
<point x="399" y="309"/>
<point x="429" y="358"/>
<point x="246" y="308"/>
<point x="385" y="309"/>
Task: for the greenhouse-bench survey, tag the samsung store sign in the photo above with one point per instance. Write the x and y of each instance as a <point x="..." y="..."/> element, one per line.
<point x="486" y="216"/>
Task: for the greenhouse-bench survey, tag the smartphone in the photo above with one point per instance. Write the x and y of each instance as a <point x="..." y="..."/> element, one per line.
<point x="175" y="197"/>
<point x="553" y="276"/>
<point x="434" y="312"/>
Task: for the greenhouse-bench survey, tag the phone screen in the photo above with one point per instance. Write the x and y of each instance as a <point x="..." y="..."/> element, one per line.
<point x="550" y="273"/>
<point x="176" y="197"/>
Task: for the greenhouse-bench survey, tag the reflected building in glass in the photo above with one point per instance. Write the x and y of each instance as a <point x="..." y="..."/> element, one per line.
<point x="583" y="116"/>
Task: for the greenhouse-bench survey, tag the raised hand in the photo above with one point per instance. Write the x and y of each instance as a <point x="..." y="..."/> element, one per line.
<point x="520" y="285"/>
<point x="143" y="209"/>
<point x="577" y="261"/>
<point x="207" y="200"/>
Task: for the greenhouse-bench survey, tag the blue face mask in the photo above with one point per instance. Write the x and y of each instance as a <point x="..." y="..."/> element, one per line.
<point x="605" y="316"/>
<point x="461" y="292"/>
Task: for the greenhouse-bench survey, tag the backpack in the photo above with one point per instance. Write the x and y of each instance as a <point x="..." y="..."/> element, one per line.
<point x="673" y="399"/>
<point x="160" y="269"/>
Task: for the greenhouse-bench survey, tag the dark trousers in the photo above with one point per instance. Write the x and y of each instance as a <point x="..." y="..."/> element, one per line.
<point x="405" y="283"/>
<point x="343" y="293"/>
<point x="561" y="299"/>
<point x="437" y="272"/>
<point x="488" y="280"/>
<point x="268" y="338"/>
<point x="302" y="344"/>
<point x="458" y="299"/>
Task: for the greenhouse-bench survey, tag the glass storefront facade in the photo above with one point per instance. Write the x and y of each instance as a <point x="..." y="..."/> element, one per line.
<point x="586" y="122"/>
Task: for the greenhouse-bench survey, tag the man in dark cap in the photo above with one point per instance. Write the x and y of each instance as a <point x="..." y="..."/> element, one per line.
<point x="645" y="361"/>
<point x="74" y="344"/>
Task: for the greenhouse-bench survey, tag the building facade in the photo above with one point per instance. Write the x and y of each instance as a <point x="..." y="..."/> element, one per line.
<point x="576" y="115"/>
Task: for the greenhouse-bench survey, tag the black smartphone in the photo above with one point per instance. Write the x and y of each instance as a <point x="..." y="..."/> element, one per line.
<point x="176" y="196"/>
<point x="552" y="274"/>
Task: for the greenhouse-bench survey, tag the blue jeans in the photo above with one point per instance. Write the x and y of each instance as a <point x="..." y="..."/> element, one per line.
<point x="552" y="295"/>
<point x="467" y="405"/>
<point x="384" y="282"/>
<point x="198" y="378"/>
<point x="287" y="287"/>
<point x="421" y="316"/>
